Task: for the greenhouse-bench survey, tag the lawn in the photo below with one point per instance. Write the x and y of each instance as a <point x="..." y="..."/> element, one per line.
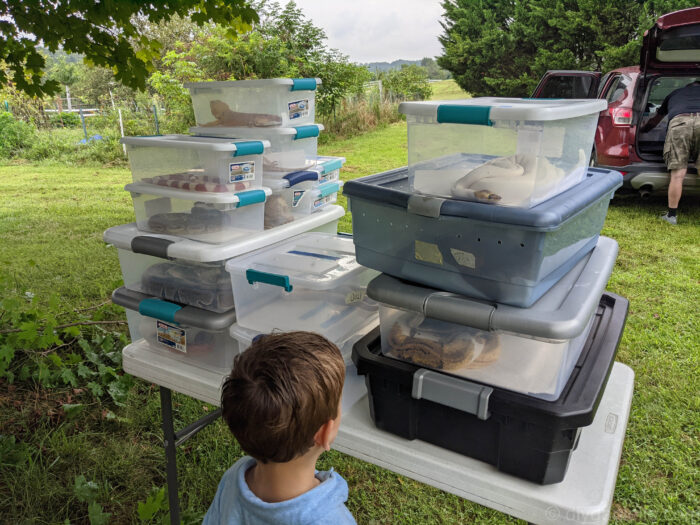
<point x="447" y="90"/>
<point x="51" y="222"/>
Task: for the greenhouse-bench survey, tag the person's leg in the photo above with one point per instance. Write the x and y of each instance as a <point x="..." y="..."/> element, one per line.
<point x="675" y="187"/>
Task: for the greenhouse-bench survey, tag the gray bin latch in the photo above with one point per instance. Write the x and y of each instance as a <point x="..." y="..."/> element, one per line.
<point x="452" y="392"/>
<point x="425" y="205"/>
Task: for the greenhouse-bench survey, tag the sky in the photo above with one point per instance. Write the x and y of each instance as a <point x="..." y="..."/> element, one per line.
<point x="378" y="30"/>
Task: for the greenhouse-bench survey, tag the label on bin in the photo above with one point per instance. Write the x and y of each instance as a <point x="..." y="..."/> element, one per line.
<point x="330" y="177"/>
<point x="241" y="171"/>
<point x="296" y="197"/>
<point x="322" y="201"/>
<point x="171" y="336"/>
<point x="355" y="296"/>
<point x="428" y="252"/>
<point x="464" y="258"/>
<point x="298" y="109"/>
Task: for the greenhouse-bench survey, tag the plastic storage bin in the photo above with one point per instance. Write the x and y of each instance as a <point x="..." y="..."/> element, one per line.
<point x="529" y="350"/>
<point x="206" y="217"/>
<point x="310" y="282"/>
<point x="297" y="195"/>
<point x="518" y="434"/>
<point x="246" y="336"/>
<point x="505" y="151"/>
<point x="291" y="148"/>
<point x="507" y="255"/>
<point x="197" y="164"/>
<point x="254" y="103"/>
<point x="185" y="333"/>
<point x="190" y="272"/>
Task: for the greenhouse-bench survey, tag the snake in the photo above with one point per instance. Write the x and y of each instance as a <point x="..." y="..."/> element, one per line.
<point x="444" y="351"/>
<point x="201" y="219"/>
<point x="195" y="182"/>
<point x="277" y="212"/>
<point x="228" y="118"/>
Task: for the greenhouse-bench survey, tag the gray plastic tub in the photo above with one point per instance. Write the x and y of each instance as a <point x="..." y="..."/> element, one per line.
<point x="508" y="255"/>
<point x="528" y="350"/>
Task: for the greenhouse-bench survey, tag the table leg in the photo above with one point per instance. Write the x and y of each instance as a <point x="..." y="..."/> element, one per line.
<point x="169" y="438"/>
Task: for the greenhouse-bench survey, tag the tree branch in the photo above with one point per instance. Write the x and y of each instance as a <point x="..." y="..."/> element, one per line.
<point x="80" y="323"/>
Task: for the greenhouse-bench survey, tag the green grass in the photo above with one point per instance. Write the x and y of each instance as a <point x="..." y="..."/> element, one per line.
<point x="51" y="222"/>
<point x="447" y="90"/>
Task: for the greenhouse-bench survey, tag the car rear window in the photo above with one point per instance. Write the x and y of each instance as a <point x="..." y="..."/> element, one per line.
<point x="567" y="87"/>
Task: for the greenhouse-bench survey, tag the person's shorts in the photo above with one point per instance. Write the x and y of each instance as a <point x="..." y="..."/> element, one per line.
<point x="682" y="142"/>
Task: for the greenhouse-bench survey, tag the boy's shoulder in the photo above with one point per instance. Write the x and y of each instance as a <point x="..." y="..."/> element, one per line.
<point x="235" y="502"/>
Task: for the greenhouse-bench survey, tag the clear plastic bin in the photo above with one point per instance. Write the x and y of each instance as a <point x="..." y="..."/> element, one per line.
<point x="185" y="333"/>
<point x="529" y="350"/>
<point x="503" y="151"/>
<point x="197" y="164"/>
<point x="298" y="195"/>
<point x="190" y="272"/>
<point x="206" y="217"/>
<point x="310" y="282"/>
<point x="254" y="103"/>
<point x="245" y="337"/>
<point x="291" y="148"/>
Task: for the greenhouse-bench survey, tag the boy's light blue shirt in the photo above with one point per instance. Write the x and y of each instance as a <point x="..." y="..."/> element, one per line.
<point x="236" y="504"/>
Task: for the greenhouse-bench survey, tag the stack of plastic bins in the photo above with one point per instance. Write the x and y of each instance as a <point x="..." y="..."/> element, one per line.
<point x="188" y="283"/>
<point x="502" y="151"/>
<point x="521" y="435"/>
<point x="254" y="103"/>
<point x="192" y="335"/>
<point x="206" y="189"/>
<point x="310" y="282"/>
<point x="297" y="195"/>
<point x="503" y="254"/>
<point x="291" y="148"/>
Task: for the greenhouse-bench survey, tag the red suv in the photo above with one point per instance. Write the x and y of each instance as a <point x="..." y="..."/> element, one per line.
<point x="670" y="59"/>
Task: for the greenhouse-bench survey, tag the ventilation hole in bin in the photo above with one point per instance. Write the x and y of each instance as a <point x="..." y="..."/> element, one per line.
<point x="522" y="245"/>
<point x="499" y="242"/>
<point x="459" y="235"/>
<point x="478" y="239"/>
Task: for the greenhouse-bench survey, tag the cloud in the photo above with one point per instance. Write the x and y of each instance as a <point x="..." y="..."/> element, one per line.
<point x="378" y="30"/>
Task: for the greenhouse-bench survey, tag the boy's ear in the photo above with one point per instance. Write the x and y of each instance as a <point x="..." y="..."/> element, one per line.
<point x="324" y="436"/>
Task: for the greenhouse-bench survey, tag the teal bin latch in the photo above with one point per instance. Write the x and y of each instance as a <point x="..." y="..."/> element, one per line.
<point x="331" y="165"/>
<point x="275" y="279"/>
<point x="159" y="309"/>
<point x="458" y="114"/>
<point x="328" y="188"/>
<point x="251" y="147"/>
<point x="304" y="132"/>
<point x="303" y="84"/>
<point x="246" y="198"/>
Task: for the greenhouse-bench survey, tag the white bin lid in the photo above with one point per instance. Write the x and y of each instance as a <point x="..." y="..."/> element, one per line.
<point x="248" y="132"/>
<point x="173" y="247"/>
<point x="318" y="261"/>
<point x="241" y="147"/>
<point x="242" y="198"/>
<point x="482" y="109"/>
<point x="266" y="82"/>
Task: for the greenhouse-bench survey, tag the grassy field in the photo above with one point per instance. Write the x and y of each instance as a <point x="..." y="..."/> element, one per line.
<point x="51" y="221"/>
<point x="447" y="90"/>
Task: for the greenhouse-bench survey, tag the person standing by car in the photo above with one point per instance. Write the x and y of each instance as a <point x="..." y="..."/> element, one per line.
<point x="682" y="143"/>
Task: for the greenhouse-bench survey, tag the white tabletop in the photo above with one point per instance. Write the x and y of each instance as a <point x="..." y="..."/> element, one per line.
<point x="584" y="497"/>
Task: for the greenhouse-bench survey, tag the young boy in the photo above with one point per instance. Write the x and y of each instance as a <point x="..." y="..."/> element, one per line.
<point x="282" y="403"/>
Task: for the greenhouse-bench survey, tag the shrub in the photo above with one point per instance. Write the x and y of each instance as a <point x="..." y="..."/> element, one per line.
<point x="357" y="117"/>
<point x="15" y="135"/>
<point x="64" y="120"/>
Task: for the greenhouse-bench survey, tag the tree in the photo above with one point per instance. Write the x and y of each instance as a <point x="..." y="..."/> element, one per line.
<point x="108" y="34"/>
<point x="407" y="83"/>
<point x="503" y="47"/>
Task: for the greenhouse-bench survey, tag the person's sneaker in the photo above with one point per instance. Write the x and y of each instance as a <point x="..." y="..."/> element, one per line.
<point x="670" y="220"/>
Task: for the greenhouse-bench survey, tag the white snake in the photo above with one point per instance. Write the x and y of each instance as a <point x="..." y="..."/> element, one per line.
<point x="510" y="180"/>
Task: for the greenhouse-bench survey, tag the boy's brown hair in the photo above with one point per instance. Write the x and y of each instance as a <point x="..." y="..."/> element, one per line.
<point x="280" y="392"/>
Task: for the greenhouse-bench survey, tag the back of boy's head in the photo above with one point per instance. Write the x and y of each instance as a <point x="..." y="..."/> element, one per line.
<point x="280" y="392"/>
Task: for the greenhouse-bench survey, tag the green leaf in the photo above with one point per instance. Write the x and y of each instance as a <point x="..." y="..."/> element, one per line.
<point x="85" y="491"/>
<point x="95" y="388"/>
<point x="72" y="331"/>
<point x="96" y="515"/>
<point x="55" y="360"/>
<point x="69" y="377"/>
<point x="117" y="391"/>
<point x="155" y="502"/>
<point x="72" y="410"/>
<point x="84" y="372"/>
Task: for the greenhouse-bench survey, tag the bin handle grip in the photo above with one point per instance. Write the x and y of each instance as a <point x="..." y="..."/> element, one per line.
<point x="460" y="394"/>
<point x="275" y="279"/>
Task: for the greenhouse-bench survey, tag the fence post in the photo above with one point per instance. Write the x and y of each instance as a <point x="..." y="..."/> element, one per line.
<point x="82" y="119"/>
<point x="121" y="129"/>
<point x="155" y="116"/>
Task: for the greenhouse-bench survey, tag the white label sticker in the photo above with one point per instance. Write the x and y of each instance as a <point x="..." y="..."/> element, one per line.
<point x="241" y="171"/>
<point x="464" y="258"/>
<point x="298" y="109"/>
<point x="171" y="336"/>
<point x="296" y="197"/>
<point x="354" y="297"/>
<point x="332" y="176"/>
<point x="324" y="200"/>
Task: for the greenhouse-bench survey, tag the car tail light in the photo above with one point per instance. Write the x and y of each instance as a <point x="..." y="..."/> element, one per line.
<point x="621" y="116"/>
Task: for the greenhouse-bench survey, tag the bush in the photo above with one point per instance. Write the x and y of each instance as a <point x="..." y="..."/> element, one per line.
<point x="64" y="120"/>
<point x="15" y="135"/>
<point x="357" y="117"/>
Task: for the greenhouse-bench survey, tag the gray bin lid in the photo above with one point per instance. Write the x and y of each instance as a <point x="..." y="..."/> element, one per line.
<point x="562" y="313"/>
<point x="172" y="312"/>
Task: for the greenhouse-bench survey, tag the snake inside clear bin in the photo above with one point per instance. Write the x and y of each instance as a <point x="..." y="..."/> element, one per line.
<point x="428" y="343"/>
<point x="207" y="287"/>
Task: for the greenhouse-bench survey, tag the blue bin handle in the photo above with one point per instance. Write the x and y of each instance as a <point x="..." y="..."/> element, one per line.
<point x="275" y="279"/>
<point x="159" y="309"/>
